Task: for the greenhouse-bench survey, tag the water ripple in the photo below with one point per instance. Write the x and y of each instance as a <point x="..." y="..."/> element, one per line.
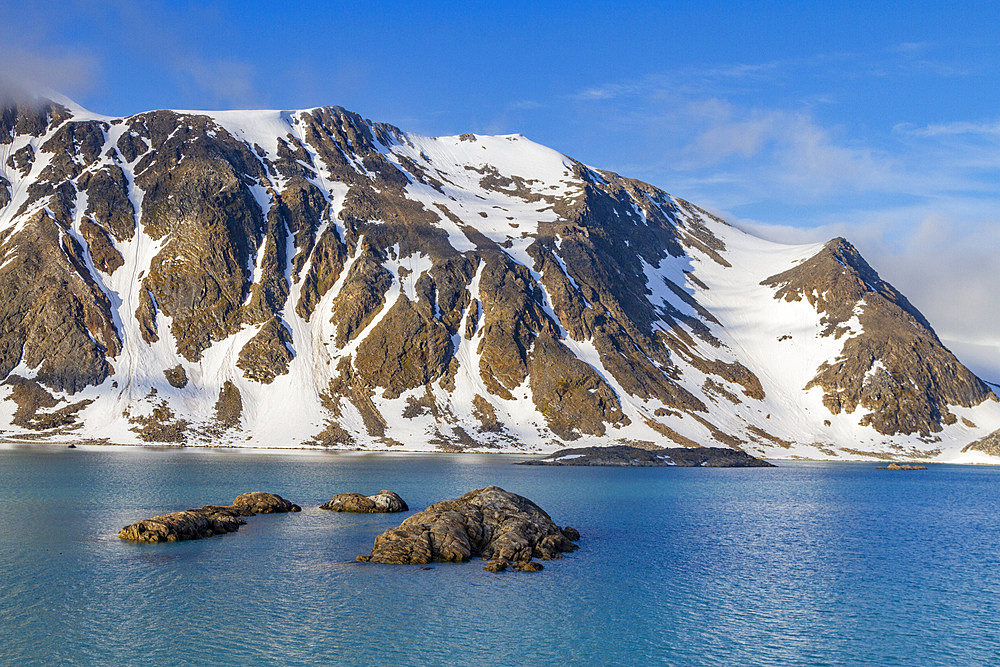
<point x="807" y="564"/>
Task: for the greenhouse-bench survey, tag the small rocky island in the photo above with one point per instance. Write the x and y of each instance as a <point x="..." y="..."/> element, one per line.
<point x="903" y="466"/>
<point x="207" y="521"/>
<point x="491" y="523"/>
<point x="383" y="501"/>
<point x="624" y="455"/>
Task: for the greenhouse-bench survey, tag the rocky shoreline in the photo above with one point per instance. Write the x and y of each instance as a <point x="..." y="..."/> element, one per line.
<point x="207" y="521"/>
<point x="623" y="455"/>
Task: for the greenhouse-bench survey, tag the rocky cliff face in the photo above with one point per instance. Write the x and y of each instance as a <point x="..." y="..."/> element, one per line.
<point x="314" y="278"/>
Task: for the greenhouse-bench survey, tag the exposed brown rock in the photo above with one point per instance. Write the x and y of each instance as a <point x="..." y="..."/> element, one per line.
<point x="160" y="425"/>
<point x="22" y="159"/>
<point x="490" y="522"/>
<point x="269" y="293"/>
<point x="197" y="199"/>
<point x="106" y="257"/>
<point x="989" y="444"/>
<point x="486" y="415"/>
<point x="382" y="502"/>
<point x="176" y="376"/>
<point x="573" y="398"/>
<point x="53" y="314"/>
<point x="268" y="353"/>
<point x="529" y="566"/>
<point x="328" y="258"/>
<point x="572" y="534"/>
<point x="361" y="297"/>
<point x="920" y="377"/>
<point x="405" y="350"/>
<point x="261" y="502"/>
<point x="145" y="315"/>
<point x="229" y="407"/>
<point x="207" y="521"/>
<point x="32" y="402"/>
<point x="108" y="202"/>
<point x="497" y="565"/>
<point x="178" y="526"/>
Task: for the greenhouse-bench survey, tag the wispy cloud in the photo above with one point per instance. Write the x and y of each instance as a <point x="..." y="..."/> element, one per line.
<point x="989" y="128"/>
<point x="26" y="72"/>
<point x="223" y="82"/>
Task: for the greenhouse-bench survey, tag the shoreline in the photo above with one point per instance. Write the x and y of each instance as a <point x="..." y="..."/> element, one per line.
<point x="8" y="443"/>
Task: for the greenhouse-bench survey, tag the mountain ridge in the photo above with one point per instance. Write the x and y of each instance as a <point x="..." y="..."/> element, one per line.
<point x="312" y="278"/>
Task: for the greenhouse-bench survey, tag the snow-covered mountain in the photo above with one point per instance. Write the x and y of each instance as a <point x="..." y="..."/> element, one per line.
<point x="311" y="278"/>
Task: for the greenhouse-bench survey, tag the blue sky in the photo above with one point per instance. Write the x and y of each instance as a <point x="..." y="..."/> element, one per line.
<point x="797" y="120"/>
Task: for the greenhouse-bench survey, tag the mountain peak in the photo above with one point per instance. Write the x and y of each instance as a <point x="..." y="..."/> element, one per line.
<point x="277" y="278"/>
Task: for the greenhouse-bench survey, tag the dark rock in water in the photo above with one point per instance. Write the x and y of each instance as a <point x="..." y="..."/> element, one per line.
<point x="497" y="565"/>
<point x="530" y="566"/>
<point x="177" y="526"/>
<point x="491" y="523"/>
<point x="623" y="455"/>
<point x="207" y="521"/>
<point x="903" y="466"/>
<point x="71" y="446"/>
<point x="572" y="534"/>
<point x="259" y="502"/>
<point x="383" y="501"/>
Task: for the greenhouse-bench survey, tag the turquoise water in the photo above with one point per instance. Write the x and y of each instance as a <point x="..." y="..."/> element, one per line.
<point x="807" y="563"/>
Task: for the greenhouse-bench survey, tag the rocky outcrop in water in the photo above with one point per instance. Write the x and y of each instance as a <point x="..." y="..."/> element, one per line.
<point x="260" y="502"/>
<point x="207" y="521"/>
<point x="383" y="501"/>
<point x="490" y="523"/>
<point x="903" y="466"/>
<point x="622" y="455"/>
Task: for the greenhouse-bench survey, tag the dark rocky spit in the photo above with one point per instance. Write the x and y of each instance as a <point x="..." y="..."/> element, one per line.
<point x="504" y="528"/>
<point x="383" y="501"/>
<point x="903" y="466"/>
<point x="208" y="521"/>
<point x="623" y="455"/>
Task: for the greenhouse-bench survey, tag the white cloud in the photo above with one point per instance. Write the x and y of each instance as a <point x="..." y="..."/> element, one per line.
<point x="24" y="71"/>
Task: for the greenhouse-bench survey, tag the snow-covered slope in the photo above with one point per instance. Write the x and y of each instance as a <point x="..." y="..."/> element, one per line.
<point x="309" y="278"/>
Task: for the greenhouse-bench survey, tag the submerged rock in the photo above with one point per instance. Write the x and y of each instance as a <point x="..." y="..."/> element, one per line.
<point x="205" y="522"/>
<point x="623" y="455"/>
<point x="383" y="501"/>
<point x="490" y="523"/>
<point x="903" y="466"/>
<point x="530" y="566"/>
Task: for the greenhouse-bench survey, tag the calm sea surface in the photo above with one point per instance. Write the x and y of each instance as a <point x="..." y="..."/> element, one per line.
<point x="808" y="563"/>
